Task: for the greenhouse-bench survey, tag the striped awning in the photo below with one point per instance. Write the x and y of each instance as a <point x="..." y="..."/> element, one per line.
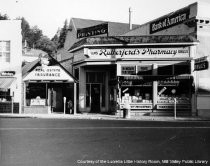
<point x="5" y="82"/>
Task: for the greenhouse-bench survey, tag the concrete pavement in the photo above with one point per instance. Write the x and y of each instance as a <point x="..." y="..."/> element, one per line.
<point x="104" y="117"/>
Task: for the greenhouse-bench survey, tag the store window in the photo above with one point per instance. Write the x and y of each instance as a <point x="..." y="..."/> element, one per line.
<point x="5" y="95"/>
<point x="128" y="70"/>
<point x="181" y="69"/>
<point x="144" y="70"/>
<point x="5" y="51"/>
<point x="139" y="93"/>
<point x="36" y="94"/>
<point x="165" y="70"/>
<point x="175" y="69"/>
<point x="168" y="89"/>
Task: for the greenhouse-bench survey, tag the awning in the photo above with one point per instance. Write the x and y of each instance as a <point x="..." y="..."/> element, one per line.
<point x="6" y="82"/>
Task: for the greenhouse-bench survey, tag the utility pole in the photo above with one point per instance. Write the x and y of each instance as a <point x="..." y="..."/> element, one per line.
<point x="130" y="23"/>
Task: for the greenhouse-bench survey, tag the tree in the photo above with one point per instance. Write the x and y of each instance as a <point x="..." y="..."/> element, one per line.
<point x="25" y="29"/>
<point x="63" y="34"/>
<point x="55" y="39"/>
<point x="34" y="35"/>
<point x="4" y="17"/>
<point x="45" y="44"/>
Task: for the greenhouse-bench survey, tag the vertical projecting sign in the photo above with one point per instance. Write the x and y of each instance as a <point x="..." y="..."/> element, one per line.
<point x="93" y="30"/>
<point x="201" y="63"/>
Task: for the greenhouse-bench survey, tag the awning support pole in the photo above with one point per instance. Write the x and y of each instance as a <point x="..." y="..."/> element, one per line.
<point x="75" y="98"/>
<point x="12" y="106"/>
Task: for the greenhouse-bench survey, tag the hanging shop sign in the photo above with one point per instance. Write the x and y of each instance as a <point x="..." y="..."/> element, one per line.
<point x="201" y="64"/>
<point x="51" y="73"/>
<point x="170" y="20"/>
<point x="7" y="73"/>
<point x="93" y="31"/>
<point x="138" y="53"/>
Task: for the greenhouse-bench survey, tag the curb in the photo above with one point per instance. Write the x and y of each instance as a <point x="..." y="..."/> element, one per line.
<point x="104" y="117"/>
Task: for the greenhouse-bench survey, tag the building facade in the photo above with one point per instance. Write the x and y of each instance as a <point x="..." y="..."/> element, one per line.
<point x="48" y="88"/>
<point x="148" y="72"/>
<point x="191" y="20"/>
<point x="114" y="29"/>
<point x="10" y="66"/>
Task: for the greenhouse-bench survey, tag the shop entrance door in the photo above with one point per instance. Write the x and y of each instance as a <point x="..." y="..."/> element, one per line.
<point x="95" y="98"/>
<point x="57" y="99"/>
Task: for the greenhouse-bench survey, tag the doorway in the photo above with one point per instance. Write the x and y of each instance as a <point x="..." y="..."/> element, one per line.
<point x="57" y="100"/>
<point x="95" y="98"/>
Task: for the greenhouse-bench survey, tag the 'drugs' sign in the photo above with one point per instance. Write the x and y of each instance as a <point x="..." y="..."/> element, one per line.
<point x="51" y="73"/>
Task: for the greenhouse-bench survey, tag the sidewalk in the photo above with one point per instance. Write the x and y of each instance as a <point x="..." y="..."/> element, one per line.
<point x="104" y="117"/>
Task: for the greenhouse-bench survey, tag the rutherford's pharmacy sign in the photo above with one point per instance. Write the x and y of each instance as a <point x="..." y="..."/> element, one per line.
<point x="139" y="52"/>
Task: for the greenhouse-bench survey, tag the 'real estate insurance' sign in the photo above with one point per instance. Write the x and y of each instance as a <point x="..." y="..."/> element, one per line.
<point x="51" y="73"/>
<point x="169" y="20"/>
<point x="139" y="53"/>
<point x="93" y="31"/>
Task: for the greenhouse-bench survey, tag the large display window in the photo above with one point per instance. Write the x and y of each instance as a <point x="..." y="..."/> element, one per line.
<point x="139" y="96"/>
<point x="36" y="94"/>
<point x="168" y="90"/>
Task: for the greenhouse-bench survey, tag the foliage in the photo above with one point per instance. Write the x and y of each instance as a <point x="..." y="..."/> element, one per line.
<point x="63" y="33"/>
<point x="4" y="17"/>
<point x="34" y="36"/>
<point x="55" y="39"/>
<point x="45" y="44"/>
<point x="25" y="29"/>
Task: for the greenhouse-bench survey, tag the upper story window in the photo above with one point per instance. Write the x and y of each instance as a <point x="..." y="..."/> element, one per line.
<point x="5" y="51"/>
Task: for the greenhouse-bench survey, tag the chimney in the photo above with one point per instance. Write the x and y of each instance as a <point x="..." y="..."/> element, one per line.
<point x="130" y="24"/>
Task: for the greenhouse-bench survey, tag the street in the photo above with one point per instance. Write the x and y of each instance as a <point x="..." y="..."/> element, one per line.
<point x="72" y="142"/>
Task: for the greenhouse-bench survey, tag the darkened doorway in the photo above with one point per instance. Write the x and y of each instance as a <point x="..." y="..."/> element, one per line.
<point x="57" y="99"/>
<point x="95" y="98"/>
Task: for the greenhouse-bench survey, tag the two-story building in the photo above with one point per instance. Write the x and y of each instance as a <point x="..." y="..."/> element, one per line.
<point x="10" y="66"/>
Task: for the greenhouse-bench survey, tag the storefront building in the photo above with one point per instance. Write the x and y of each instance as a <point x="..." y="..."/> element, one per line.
<point x="194" y="20"/>
<point x="48" y="88"/>
<point x="147" y="72"/>
<point x="10" y="66"/>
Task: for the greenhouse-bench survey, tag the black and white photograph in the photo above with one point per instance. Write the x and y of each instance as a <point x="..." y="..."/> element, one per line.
<point x="104" y="83"/>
